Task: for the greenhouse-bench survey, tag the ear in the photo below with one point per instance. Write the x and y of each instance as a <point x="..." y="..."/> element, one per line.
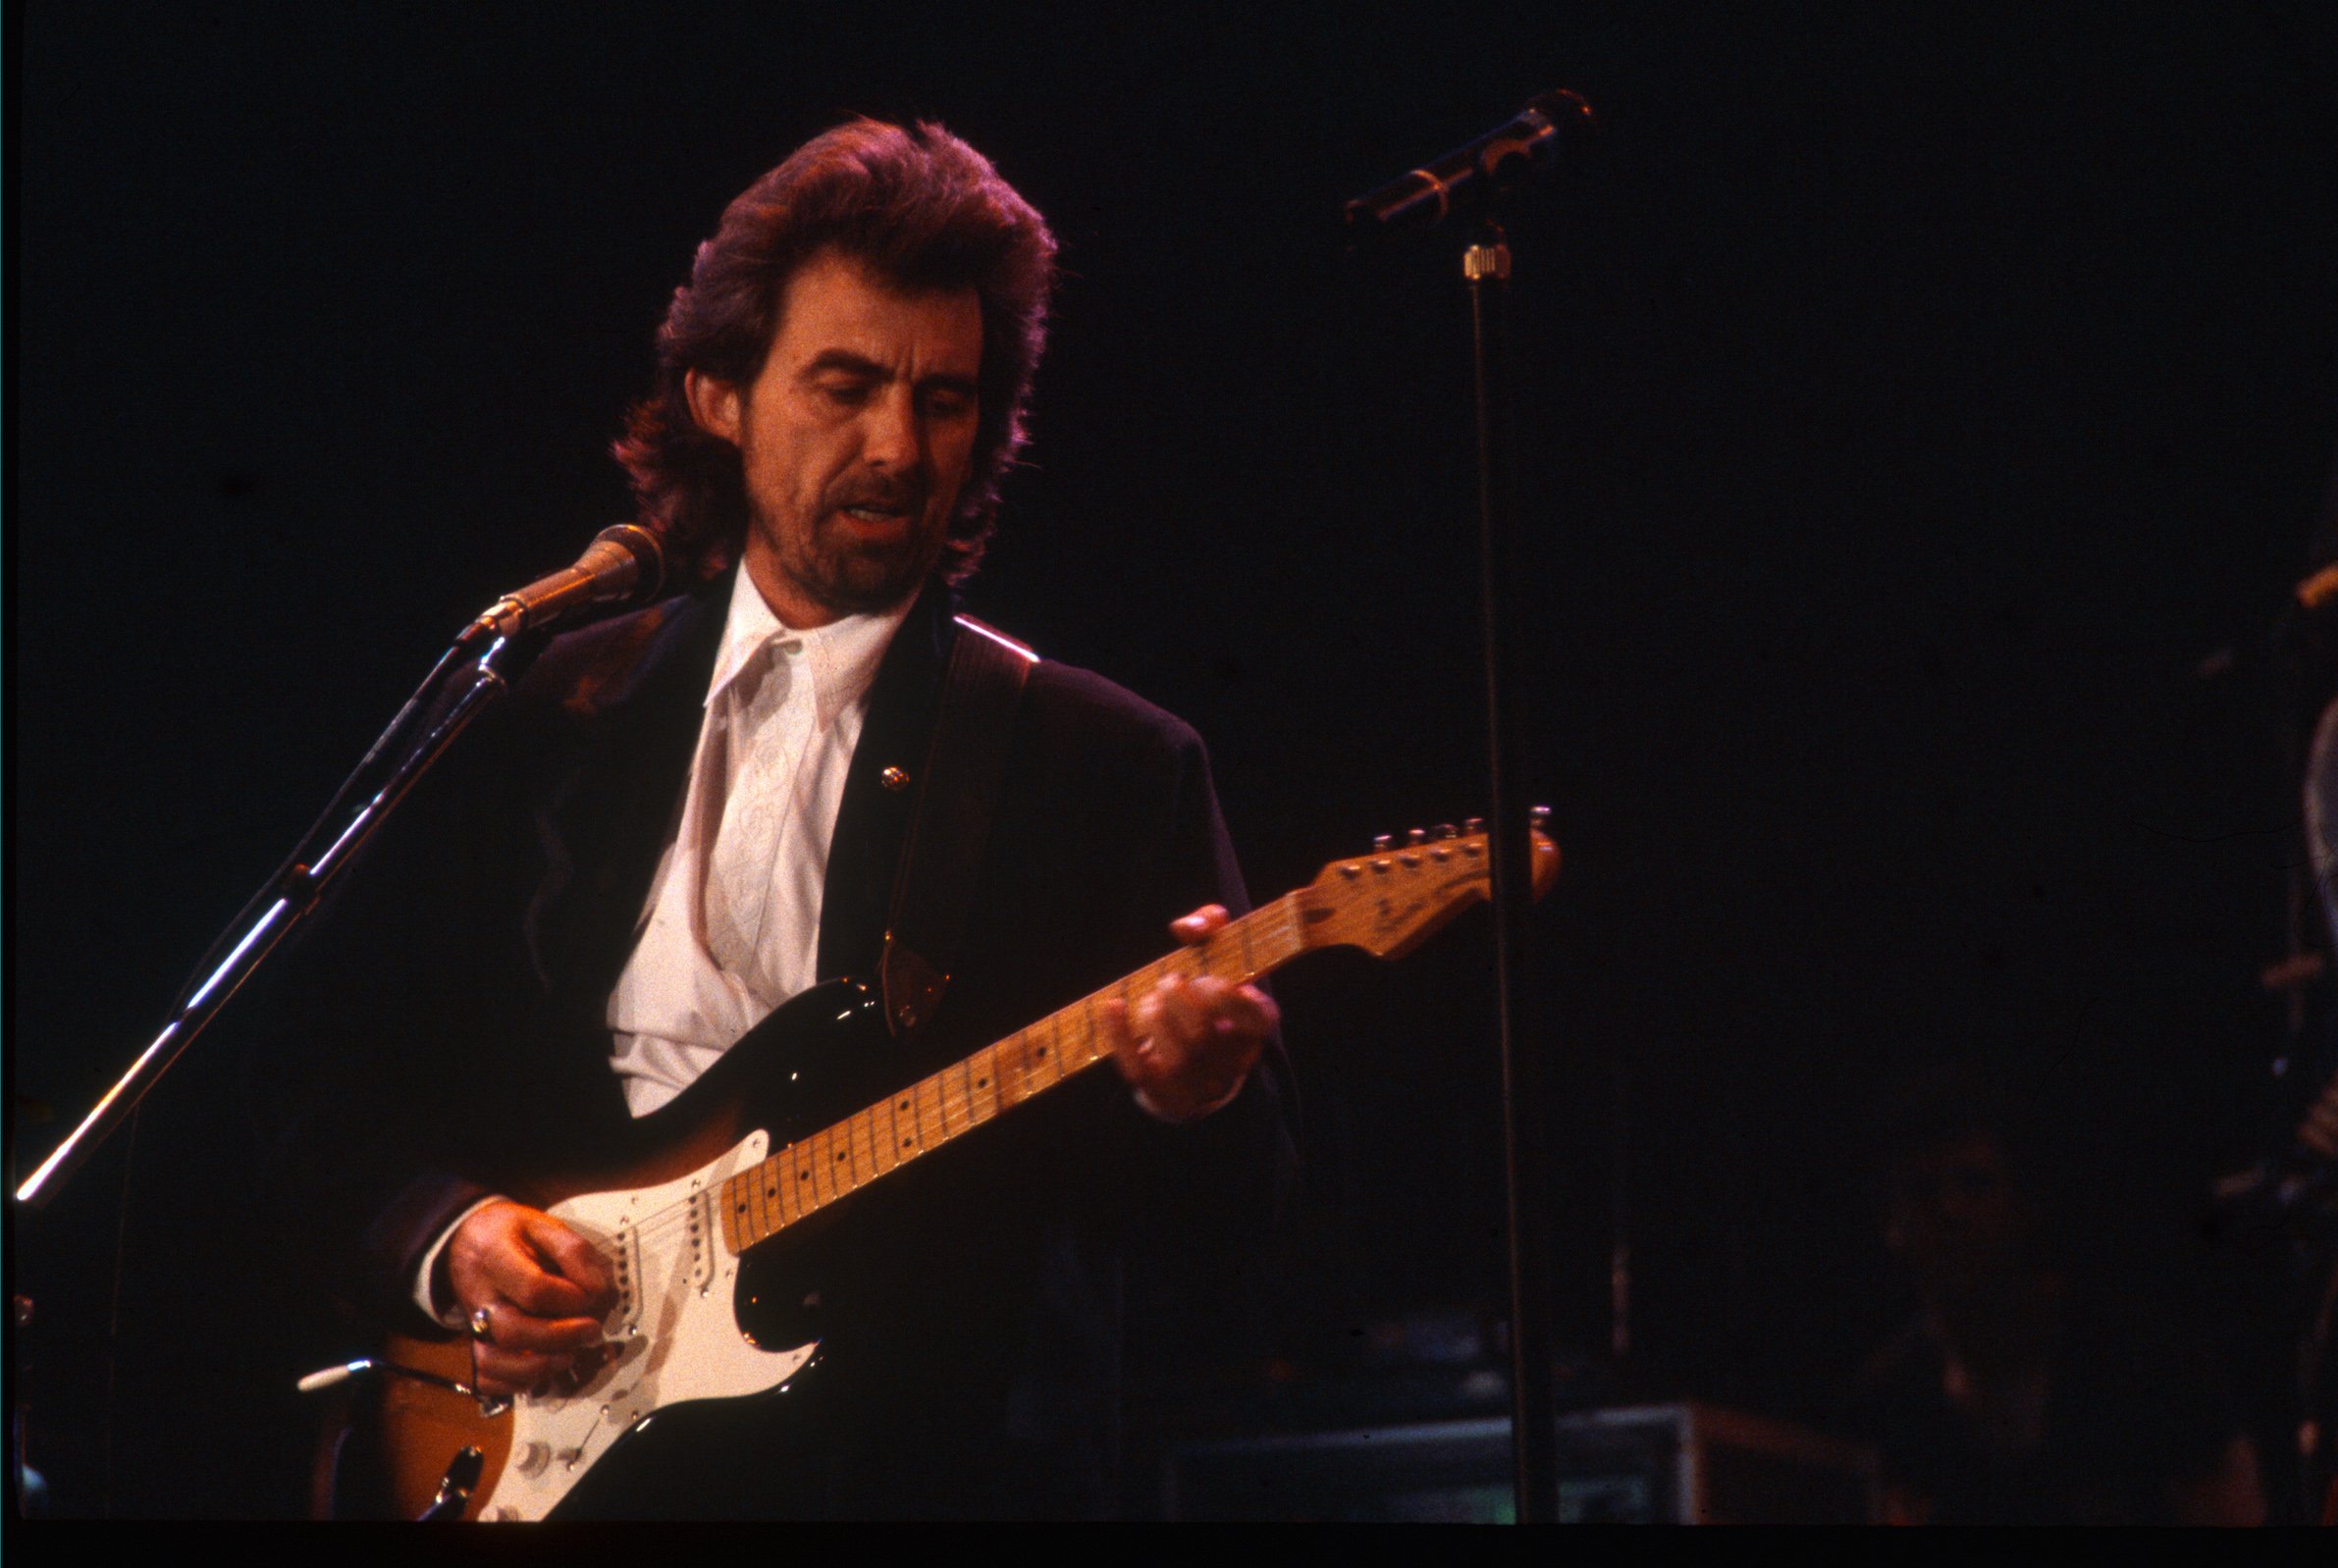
<point x="715" y="404"/>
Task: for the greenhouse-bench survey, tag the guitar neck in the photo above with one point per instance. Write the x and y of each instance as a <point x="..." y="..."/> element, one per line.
<point x="814" y="1171"/>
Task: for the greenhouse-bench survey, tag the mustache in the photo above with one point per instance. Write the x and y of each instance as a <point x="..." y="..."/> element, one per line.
<point x="904" y="495"/>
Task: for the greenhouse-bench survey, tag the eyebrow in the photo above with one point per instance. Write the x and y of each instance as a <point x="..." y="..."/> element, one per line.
<point x="852" y="364"/>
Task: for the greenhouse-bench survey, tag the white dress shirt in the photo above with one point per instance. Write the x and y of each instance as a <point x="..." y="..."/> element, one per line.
<point x="731" y="925"/>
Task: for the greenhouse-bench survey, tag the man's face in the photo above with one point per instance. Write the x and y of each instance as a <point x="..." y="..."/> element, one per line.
<point x="1956" y="1215"/>
<point x="855" y="438"/>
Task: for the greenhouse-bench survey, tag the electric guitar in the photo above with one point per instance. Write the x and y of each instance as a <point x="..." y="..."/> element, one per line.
<point x="715" y="1215"/>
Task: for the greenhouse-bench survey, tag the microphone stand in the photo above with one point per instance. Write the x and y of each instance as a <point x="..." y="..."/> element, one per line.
<point x="288" y="896"/>
<point x="1475" y="180"/>
<point x="1486" y="267"/>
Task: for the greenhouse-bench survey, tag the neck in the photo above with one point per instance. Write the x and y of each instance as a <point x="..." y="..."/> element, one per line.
<point x="814" y="1171"/>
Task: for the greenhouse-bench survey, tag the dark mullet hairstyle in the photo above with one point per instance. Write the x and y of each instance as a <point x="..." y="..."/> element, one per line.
<point x="921" y="210"/>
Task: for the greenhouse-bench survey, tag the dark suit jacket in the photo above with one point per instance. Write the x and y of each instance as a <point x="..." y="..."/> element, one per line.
<point x="442" y="1032"/>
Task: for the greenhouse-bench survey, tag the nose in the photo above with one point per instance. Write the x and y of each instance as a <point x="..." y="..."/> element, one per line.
<point x="893" y="438"/>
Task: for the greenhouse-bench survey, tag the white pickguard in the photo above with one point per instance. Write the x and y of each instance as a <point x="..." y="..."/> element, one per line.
<point x="673" y="1330"/>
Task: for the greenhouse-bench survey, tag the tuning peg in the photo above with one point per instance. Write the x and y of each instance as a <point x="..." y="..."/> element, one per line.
<point x="1541" y="815"/>
<point x="1447" y="830"/>
<point x="1417" y="836"/>
<point x="1473" y="826"/>
<point x="1381" y="842"/>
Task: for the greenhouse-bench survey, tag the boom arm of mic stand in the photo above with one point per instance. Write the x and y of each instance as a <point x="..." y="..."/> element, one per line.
<point x="286" y="902"/>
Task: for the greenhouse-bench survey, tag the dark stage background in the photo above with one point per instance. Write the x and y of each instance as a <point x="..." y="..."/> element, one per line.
<point x="1914" y="401"/>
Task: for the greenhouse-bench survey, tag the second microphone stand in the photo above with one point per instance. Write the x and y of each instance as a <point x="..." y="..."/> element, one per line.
<point x="385" y="776"/>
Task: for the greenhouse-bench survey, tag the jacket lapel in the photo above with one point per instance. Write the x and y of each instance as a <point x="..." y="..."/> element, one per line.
<point x="628" y="726"/>
<point x="630" y="720"/>
<point x="873" y="817"/>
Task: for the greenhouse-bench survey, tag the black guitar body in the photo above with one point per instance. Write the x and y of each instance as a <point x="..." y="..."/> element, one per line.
<point x="821" y="1056"/>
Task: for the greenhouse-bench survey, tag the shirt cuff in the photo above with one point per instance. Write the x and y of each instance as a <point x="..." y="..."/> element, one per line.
<point x="451" y="1318"/>
<point x="1145" y="1103"/>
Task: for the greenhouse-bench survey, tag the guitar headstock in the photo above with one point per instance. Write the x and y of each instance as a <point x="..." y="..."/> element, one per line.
<point x="1391" y="901"/>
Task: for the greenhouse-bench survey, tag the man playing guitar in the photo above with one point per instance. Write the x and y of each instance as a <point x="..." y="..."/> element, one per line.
<point x="686" y="816"/>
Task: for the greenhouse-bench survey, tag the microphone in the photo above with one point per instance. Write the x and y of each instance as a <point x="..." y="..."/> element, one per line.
<point x="623" y="567"/>
<point x="1468" y="179"/>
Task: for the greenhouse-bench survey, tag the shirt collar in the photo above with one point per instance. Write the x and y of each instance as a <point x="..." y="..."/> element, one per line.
<point x="841" y="658"/>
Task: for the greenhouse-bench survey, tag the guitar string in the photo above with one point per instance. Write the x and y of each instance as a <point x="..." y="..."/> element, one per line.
<point x="1277" y="922"/>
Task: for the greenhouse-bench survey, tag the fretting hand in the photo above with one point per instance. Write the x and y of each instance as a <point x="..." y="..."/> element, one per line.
<point x="1191" y="1043"/>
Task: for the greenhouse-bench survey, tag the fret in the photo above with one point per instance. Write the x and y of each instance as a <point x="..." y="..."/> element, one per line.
<point x="856" y="1146"/>
<point x="1006" y="1071"/>
<point x="869" y="1162"/>
<point x="770" y="1180"/>
<point x="1078" y="1047"/>
<point x="816" y="1160"/>
<point x="840" y="1179"/>
<point x="1035" y="1053"/>
<point x="1026" y="1058"/>
<point x="734" y="1221"/>
<point x="1249" y="962"/>
<point x="1051" y="1051"/>
<point x="958" y="1083"/>
<point x="791" y="1188"/>
<point x="893" y="1134"/>
<point x="1151" y="976"/>
<point x="799" y="1164"/>
<point x="754" y="1219"/>
<point x="985" y="1070"/>
<point x="902" y="1139"/>
<point x="933" y="1115"/>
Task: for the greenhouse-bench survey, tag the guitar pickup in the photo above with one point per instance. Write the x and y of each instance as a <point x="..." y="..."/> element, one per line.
<point x="626" y="1258"/>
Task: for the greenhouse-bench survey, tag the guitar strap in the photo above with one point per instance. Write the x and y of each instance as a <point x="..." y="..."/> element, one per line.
<point x="951" y="820"/>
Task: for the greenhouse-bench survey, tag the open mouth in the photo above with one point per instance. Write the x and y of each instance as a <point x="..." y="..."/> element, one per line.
<point x="878" y="516"/>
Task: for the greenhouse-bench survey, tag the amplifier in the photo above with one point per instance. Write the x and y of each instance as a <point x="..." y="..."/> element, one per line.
<point x="1684" y="1463"/>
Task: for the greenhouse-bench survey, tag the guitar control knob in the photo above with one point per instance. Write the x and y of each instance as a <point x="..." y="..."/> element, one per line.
<point x="531" y="1458"/>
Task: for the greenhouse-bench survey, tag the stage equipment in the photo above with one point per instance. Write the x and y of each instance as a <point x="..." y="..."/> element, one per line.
<point x="622" y="568"/>
<point x="1475" y="177"/>
<point x="1673" y="1464"/>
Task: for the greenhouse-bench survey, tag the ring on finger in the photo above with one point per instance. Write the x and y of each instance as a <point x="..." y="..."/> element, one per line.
<point x="481" y="1323"/>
